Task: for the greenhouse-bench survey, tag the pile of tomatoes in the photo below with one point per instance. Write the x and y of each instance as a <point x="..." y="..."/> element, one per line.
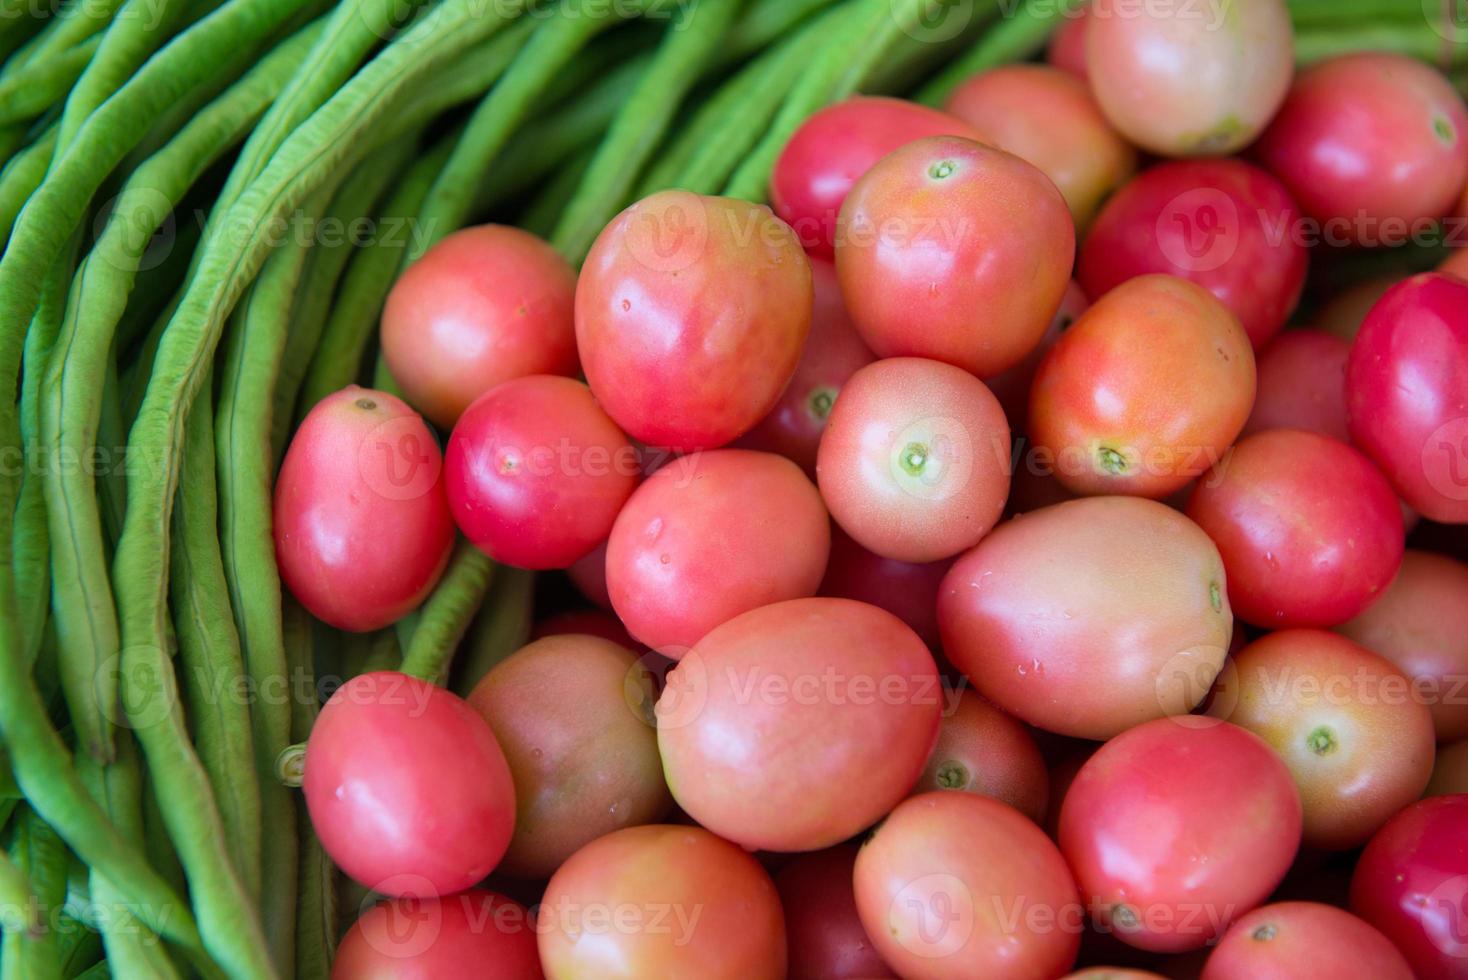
<point x="985" y="579"/>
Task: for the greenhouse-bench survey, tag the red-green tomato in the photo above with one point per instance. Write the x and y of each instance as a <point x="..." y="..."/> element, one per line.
<point x="983" y="750"/>
<point x="796" y="725"/>
<point x="954" y="251"/>
<point x="1289" y="940"/>
<point x="691" y="313"/>
<point x="825" y="934"/>
<point x="475" y="934"/>
<point x="361" y="521"/>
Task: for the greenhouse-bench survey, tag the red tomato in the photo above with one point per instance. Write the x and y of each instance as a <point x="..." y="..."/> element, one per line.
<point x="574" y="716"/>
<point x="982" y="750"/>
<point x="1067" y="47"/>
<point x="589" y="575"/>
<point x="1176" y="827"/>
<point x="1184" y="80"/>
<point x="1057" y="625"/>
<point x="710" y="536"/>
<point x="1012" y="388"/>
<point x="1288" y="940"/>
<point x="907" y="591"/>
<point x="1309" y="530"/>
<point x="956" y="884"/>
<point x="1412" y="884"/>
<point x="661" y="901"/>
<point x="1421" y="624"/>
<point x="536" y="472"/>
<point x="796" y="725"/>
<point x="914" y="464"/>
<point x="826" y="938"/>
<point x="362" y="526"/>
<point x="1449" y="770"/>
<point x="1302" y="385"/>
<point x="1112" y="973"/>
<point x="1345" y="722"/>
<point x="1224" y="224"/>
<point x="833" y="148"/>
<point x="1145" y="391"/>
<point x="691" y="313"/>
<point x="1048" y="117"/>
<point x="590" y="622"/>
<point x="1370" y="143"/>
<point x="484" y="305"/>
<point x="941" y="229"/>
<point x="407" y="788"/>
<point x="1407" y="393"/>
<point x="833" y="353"/>
<point x="475" y="934"/>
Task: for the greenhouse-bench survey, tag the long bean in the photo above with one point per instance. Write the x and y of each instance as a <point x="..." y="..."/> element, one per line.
<point x="22" y="175"/>
<point x="447" y="613"/>
<point x="34" y="89"/>
<point x="72" y="25"/>
<point x="1015" y="38"/>
<point x="316" y="912"/>
<point x="40" y="859"/>
<point x="502" y="627"/>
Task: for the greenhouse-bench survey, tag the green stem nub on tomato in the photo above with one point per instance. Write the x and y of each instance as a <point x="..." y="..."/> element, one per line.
<point x="1322" y="741"/>
<point x="914" y="458"/>
<point x="952" y="775"/>
<point x="942" y="170"/>
<point x="1112" y="461"/>
<point x="820" y="402"/>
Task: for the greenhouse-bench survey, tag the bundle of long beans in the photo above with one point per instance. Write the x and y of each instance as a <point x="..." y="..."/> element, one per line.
<point x="178" y="287"/>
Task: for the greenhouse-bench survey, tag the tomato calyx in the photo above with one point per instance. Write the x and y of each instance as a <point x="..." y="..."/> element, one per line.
<point x="820" y="401"/>
<point x="952" y="775"/>
<point x="1322" y="740"/>
<point x="1112" y="461"/>
<point x="1264" y="933"/>
<point x="1215" y="597"/>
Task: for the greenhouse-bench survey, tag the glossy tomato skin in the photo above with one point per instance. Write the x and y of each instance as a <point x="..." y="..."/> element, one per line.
<point x="661" y="901"/>
<point x="710" y="536"/>
<point x="956" y="884"/>
<point x="1421" y="624"/>
<point x="1224" y="224"/>
<point x="1407" y="393"/>
<point x="1412" y="883"/>
<point x="1344" y="720"/>
<point x="827" y="941"/>
<point x="1012" y="388"/>
<point x="833" y="353"/>
<point x="1048" y="117"/>
<point x="1302" y="385"/>
<point x="484" y="305"/>
<point x="361" y="522"/>
<point x="574" y="716"/>
<point x="1182" y="81"/>
<point x="691" y="313"/>
<point x="906" y="590"/>
<point x="1287" y="940"/>
<point x="833" y="149"/>
<point x="407" y="788"/>
<point x="536" y="472"/>
<point x="796" y="725"/>
<point x="1145" y="391"/>
<point x="1056" y="624"/>
<point x="983" y="750"/>
<point x="1176" y="827"/>
<point x="914" y="464"/>
<point x="942" y="229"/>
<point x="1309" y="530"/>
<point x="1369" y="143"/>
<point x="474" y="934"/>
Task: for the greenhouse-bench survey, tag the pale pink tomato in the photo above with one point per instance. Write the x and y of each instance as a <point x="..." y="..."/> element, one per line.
<point x="983" y="750"/>
<point x="827" y="941"/>
<point x="1302" y="385"/>
<point x="907" y="591"/>
<point x="474" y="935"/>
<point x="1288" y="940"/>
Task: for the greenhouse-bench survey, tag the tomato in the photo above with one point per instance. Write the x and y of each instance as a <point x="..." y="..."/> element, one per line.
<point x="1063" y="771"/>
<point x="1370" y="143"/>
<point x="826" y="938"/>
<point x="482" y="306"/>
<point x="1112" y="973"/>
<point x="1089" y="617"/>
<point x="1407" y="393"/>
<point x="796" y="725"/>
<point x="1067" y="47"/>
<point x="1304" y="939"/>
<point x="536" y="472"/>
<point x="1184" y="80"/>
<point x="1449" y="770"/>
<point x="914" y="464"/>
<point x="591" y="622"/>
<point x="1412" y="884"/>
<point x="955" y="251"/>
<point x="661" y="901"/>
<point x="907" y="591"/>
<point x="1420" y="623"/>
<point x="691" y="313"/>
<point x="710" y="536"/>
<point x="475" y="934"/>
<point x="833" y="148"/>
<point x="1145" y="391"/>
<point x="589" y="575"/>
<point x="1048" y="117"/>
<point x="573" y="715"/>
<point x="1224" y="224"/>
<point x="982" y="750"/>
<point x="833" y="353"/>
<point x="1176" y="827"/>
<point x="1309" y="530"/>
<point x="1343" y="314"/>
<point x="956" y="884"/>
<point x="1344" y="720"/>
<point x="1302" y="385"/>
<point x="362" y="526"/>
<point x="407" y="788"/>
<point x="1012" y="388"/>
<point x="1456" y="264"/>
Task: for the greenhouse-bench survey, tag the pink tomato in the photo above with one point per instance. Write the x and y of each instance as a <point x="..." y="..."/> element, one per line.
<point x="1288" y="940"/>
<point x="1302" y="385"/>
<point x="474" y="934"/>
<point x="907" y="591"/>
<point x="1067" y="47"/>
<point x="983" y="750"/>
